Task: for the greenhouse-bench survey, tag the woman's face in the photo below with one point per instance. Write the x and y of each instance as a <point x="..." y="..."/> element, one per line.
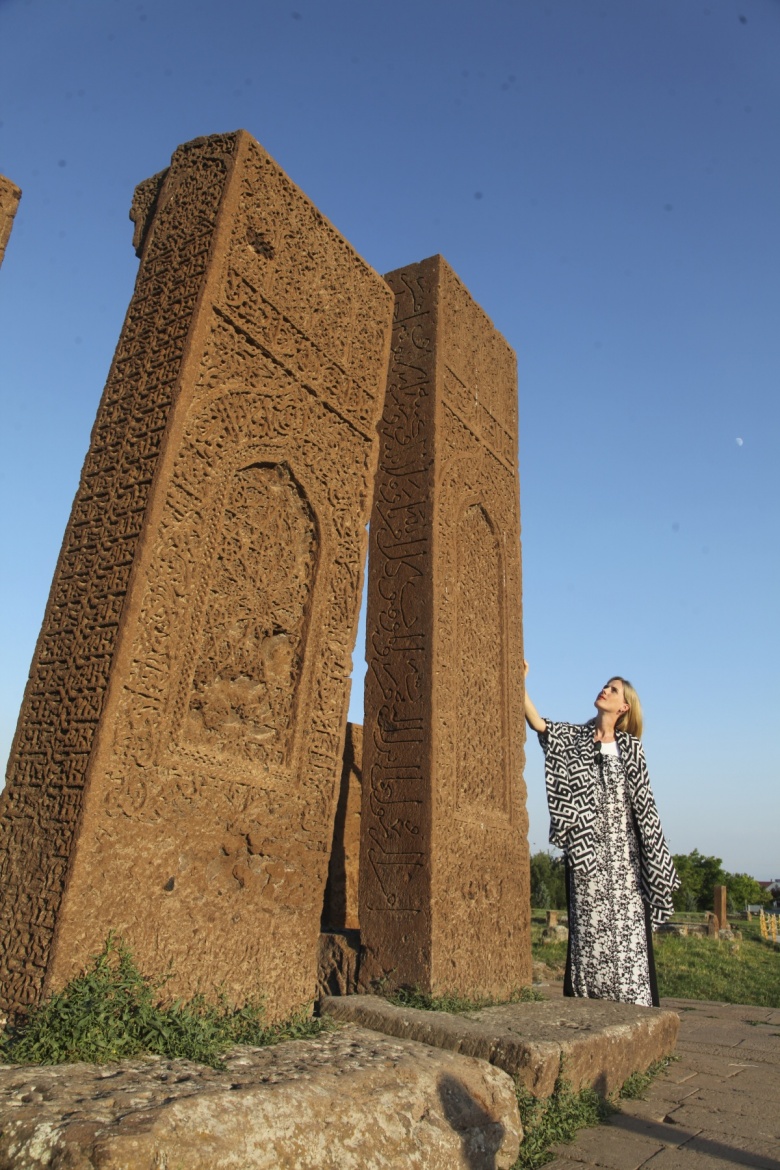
<point x="611" y="698"/>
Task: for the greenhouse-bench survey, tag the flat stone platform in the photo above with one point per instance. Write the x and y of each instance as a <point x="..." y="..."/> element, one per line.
<point x="347" y="1100"/>
<point x="357" y="1098"/>
<point x="598" y="1044"/>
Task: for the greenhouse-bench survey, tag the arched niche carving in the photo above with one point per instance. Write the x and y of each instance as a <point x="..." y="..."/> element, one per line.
<point x="480" y="666"/>
<point x="247" y="670"/>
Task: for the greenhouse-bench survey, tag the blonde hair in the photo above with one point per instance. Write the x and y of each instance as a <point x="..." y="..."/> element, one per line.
<point x="630" y="720"/>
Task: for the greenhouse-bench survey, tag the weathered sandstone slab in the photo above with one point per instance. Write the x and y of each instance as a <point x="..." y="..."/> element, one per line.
<point x="444" y="875"/>
<point x="351" y="1100"/>
<point x="10" y="195"/>
<point x="176" y="762"/>
<point x="598" y="1044"/>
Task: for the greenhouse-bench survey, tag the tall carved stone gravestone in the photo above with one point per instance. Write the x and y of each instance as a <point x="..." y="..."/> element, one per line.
<point x="9" y="202"/>
<point x="176" y="763"/>
<point x="444" y="878"/>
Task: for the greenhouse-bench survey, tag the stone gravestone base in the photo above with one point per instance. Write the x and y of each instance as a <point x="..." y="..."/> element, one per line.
<point x="599" y="1043"/>
<point x="339" y="963"/>
<point x="553" y="934"/>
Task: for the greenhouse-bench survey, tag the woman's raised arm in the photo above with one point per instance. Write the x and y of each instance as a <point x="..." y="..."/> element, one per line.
<point x="533" y="717"/>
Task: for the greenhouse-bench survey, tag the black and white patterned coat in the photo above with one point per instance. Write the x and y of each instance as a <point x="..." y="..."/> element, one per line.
<point x="569" y="775"/>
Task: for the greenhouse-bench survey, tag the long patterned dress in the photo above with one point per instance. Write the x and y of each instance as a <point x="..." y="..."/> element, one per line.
<point x="620" y="875"/>
<point x="608" y="954"/>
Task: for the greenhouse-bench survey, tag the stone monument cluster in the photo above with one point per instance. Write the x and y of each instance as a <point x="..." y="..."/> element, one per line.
<point x="182" y="771"/>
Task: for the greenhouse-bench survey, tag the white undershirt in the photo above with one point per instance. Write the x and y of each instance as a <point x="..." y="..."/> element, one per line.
<point x="610" y="749"/>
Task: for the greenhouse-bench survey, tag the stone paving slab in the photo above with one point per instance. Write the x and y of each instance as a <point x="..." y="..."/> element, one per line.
<point x="695" y="1159"/>
<point x="669" y="1092"/>
<point x="736" y="1150"/>
<point x="597" y="1043"/>
<point x="713" y="1109"/>
<point x="648" y="1109"/>
<point x="757" y="1081"/>
<point x="730" y="1098"/>
<point x="737" y="1081"/>
<point x="348" y="1100"/>
<point x="720" y="1064"/>
<point x="728" y="1034"/>
<point x="611" y="1148"/>
<point x="714" y="1120"/>
<point x="702" y="1008"/>
<point x="737" y="1056"/>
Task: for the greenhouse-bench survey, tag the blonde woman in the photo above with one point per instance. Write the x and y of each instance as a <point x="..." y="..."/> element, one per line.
<point x="619" y="873"/>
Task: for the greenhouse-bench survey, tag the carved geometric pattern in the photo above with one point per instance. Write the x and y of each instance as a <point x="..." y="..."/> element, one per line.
<point x="480" y="674"/>
<point x="41" y="803"/>
<point x="248" y="668"/>
<point x="394" y="869"/>
<point x="444" y="864"/>
<point x="192" y="672"/>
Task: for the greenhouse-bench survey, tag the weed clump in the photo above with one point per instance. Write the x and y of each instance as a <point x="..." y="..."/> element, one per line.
<point x="413" y="997"/>
<point x="112" y="1012"/>
<point x="556" y="1119"/>
<point x="635" y="1086"/>
<point x="547" y="1121"/>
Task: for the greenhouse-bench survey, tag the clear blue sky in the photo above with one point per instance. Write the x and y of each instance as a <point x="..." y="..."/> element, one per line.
<point x="604" y="175"/>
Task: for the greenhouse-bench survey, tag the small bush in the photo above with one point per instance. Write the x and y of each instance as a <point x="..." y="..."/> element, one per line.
<point x="112" y="1012"/>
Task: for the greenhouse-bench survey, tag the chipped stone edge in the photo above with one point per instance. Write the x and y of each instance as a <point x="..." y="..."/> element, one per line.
<point x="536" y="1063"/>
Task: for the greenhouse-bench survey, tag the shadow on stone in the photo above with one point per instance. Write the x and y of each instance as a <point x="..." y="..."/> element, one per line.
<point x="481" y="1135"/>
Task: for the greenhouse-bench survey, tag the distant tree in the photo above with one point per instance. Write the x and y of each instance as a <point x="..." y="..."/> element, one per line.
<point x="688" y="901"/>
<point x="745" y="891"/>
<point x="540" y="897"/>
<point x="698" y="877"/>
<point x="548" y="882"/>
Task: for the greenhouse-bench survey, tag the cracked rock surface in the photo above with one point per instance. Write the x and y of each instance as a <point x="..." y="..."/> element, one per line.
<point x="351" y="1099"/>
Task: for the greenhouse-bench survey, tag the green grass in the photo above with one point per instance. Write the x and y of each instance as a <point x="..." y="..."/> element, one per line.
<point x="740" y="971"/>
<point x="553" y="954"/>
<point x="744" y="971"/>
<point x="112" y="1012"/>
<point x="413" y="997"/>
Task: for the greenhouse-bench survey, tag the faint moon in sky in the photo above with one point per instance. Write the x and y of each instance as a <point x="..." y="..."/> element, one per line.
<point x="740" y="442"/>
